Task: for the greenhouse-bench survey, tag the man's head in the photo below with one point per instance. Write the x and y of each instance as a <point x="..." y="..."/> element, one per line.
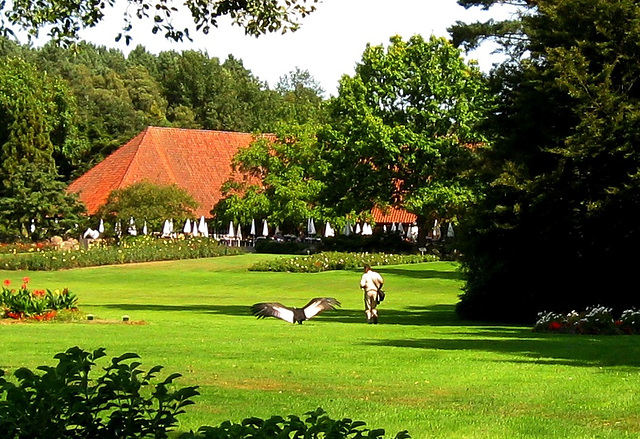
<point x="367" y="267"/>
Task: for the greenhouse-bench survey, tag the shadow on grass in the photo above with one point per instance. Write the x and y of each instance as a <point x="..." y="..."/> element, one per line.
<point x="518" y="341"/>
<point x="231" y="310"/>
<point x="436" y="315"/>
<point x="421" y="274"/>
<point x="551" y="349"/>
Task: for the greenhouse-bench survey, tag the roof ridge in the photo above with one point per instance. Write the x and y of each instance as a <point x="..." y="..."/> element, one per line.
<point x="142" y="136"/>
<point x="201" y="129"/>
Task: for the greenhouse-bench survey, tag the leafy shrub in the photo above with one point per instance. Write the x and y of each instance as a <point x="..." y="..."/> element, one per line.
<point x="128" y="250"/>
<point x="316" y="425"/>
<point x="629" y="321"/>
<point x="594" y="320"/>
<point x="65" y="402"/>
<point x="126" y="402"/>
<point x="34" y="304"/>
<point x="146" y="200"/>
<point x="378" y="242"/>
<point x="337" y="261"/>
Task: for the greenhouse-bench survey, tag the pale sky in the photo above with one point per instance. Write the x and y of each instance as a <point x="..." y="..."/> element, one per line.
<point x="329" y="43"/>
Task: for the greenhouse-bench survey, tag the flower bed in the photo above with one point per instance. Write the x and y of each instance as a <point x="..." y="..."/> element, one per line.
<point x="131" y="249"/>
<point x="594" y="320"/>
<point x="337" y="261"/>
<point x="23" y="303"/>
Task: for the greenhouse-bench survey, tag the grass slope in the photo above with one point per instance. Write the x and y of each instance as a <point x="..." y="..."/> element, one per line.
<point x="421" y="369"/>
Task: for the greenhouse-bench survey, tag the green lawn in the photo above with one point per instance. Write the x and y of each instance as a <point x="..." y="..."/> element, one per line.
<point x="420" y="369"/>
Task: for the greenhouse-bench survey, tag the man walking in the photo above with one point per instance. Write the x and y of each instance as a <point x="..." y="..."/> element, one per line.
<point x="371" y="282"/>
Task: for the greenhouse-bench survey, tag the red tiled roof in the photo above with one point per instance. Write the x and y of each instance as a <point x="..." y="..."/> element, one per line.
<point x="392" y="215"/>
<point x="199" y="161"/>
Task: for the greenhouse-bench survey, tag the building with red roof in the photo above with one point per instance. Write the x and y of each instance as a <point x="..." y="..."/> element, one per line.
<point x="198" y="161"/>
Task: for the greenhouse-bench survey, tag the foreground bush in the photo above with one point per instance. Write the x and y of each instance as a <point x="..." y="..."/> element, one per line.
<point x="317" y="425"/>
<point x="337" y="261"/>
<point x="66" y="402"/>
<point x="128" y="250"/>
<point x="127" y="402"/>
<point x="594" y="320"/>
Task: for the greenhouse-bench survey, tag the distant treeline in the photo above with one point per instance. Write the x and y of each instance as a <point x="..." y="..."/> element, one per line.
<point x="109" y="97"/>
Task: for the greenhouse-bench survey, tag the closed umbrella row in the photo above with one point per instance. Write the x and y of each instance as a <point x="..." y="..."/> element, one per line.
<point x="233" y="233"/>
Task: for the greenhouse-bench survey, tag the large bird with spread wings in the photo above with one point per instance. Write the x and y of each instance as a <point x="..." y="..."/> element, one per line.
<point x="294" y="315"/>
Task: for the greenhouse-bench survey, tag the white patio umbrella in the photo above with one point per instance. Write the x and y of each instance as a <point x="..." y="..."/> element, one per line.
<point x="253" y="228"/>
<point x="394" y="228"/>
<point x="145" y="231"/>
<point x="132" y="227"/>
<point x="171" y="226"/>
<point x="328" y="231"/>
<point x="450" y="233"/>
<point x="118" y="229"/>
<point x="366" y="229"/>
<point x="347" y="229"/>
<point x="239" y="233"/>
<point x="101" y="226"/>
<point x="437" y="234"/>
<point x="232" y="232"/>
<point x="203" y="228"/>
<point x="358" y="229"/>
<point x="166" y="228"/>
<point x="400" y="228"/>
<point x="384" y="229"/>
<point x="265" y="228"/>
<point x="194" y="228"/>
<point x="187" y="226"/>
<point x="90" y="233"/>
<point x="311" y="227"/>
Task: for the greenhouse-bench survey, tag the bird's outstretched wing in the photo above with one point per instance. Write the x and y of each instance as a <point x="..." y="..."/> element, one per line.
<point x="272" y="309"/>
<point x="319" y="304"/>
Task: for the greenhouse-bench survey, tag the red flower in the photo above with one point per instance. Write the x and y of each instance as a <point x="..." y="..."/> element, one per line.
<point x="39" y="293"/>
<point x="15" y="315"/>
<point x="7" y="282"/>
<point x="555" y="326"/>
<point x="25" y="280"/>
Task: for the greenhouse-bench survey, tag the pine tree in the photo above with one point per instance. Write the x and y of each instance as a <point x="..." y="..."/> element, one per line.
<point x="30" y="189"/>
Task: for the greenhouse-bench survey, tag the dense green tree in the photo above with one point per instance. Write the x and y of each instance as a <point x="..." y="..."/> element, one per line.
<point x="242" y="101"/>
<point x="404" y="130"/>
<point x="557" y="226"/>
<point x="146" y="95"/>
<point x="277" y="179"/>
<point x="114" y="100"/>
<point x="33" y="111"/>
<point x="302" y="98"/>
<point x="148" y="202"/>
<point x="64" y="20"/>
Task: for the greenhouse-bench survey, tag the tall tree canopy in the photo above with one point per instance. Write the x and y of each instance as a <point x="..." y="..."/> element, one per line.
<point x="404" y="129"/>
<point x="64" y="19"/>
<point x="285" y="170"/>
<point x="34" y="111"/>
<point x="558" y="224"/>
